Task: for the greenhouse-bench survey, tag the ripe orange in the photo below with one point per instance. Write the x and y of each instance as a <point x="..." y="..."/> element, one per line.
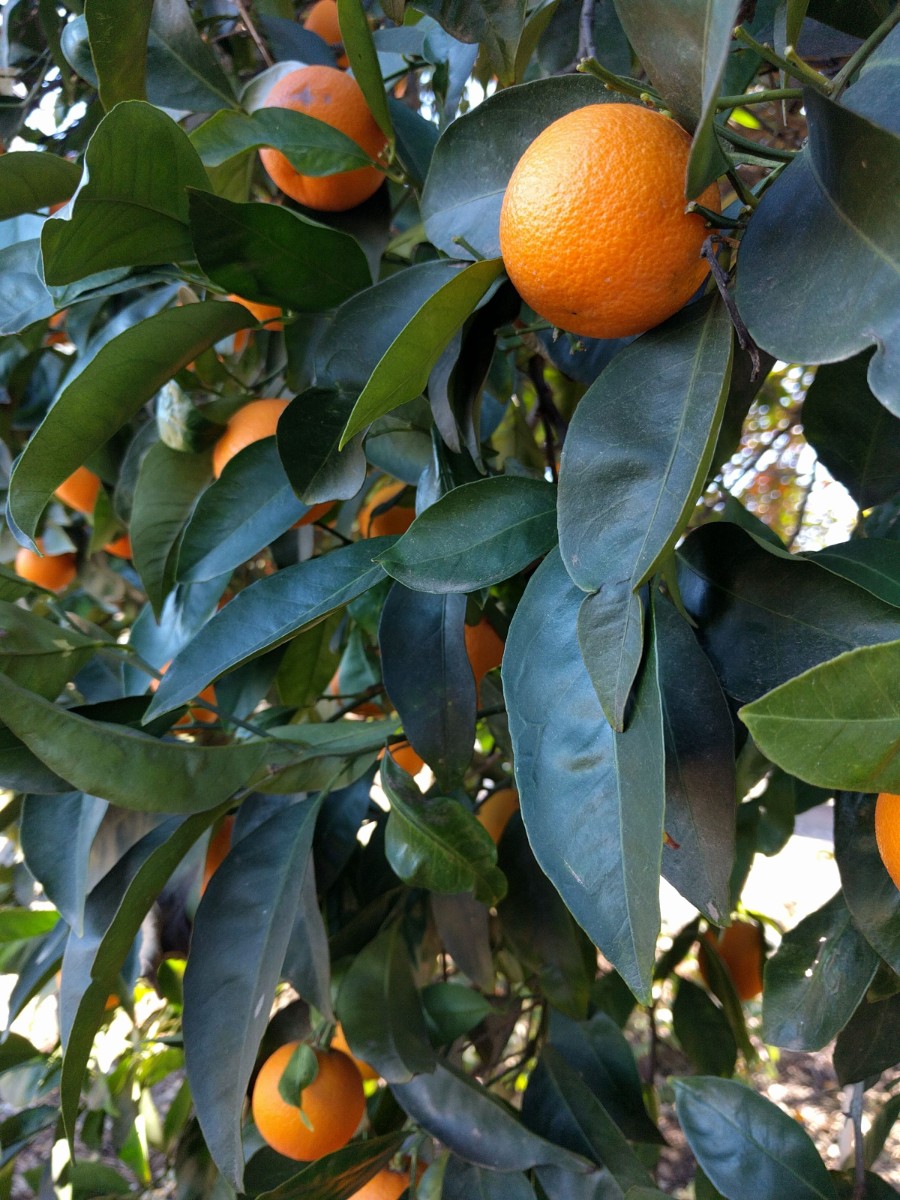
<point x="331" y="96"/>
<point x="322" y="19"/>
<point x="593" y="230"/>
<point x="484" y="647"/>
<point x="404" y="756"/>
<point x="333" y="1104"/>
<point x="742" y="949"/>
<point x="80" y="490"/>
<point x="386" y="1185"/>
<point x="256" y="420"/>
<point x="339" y="1042"/>
<point x="120" y="547"/>
<point x="267" y="314"/>
<point x="315" y="513"/>
<point x="887" y="833"/>
<point x="496" y="810"/>
<point x="193" y="715"/>
<point x="51" y="571"/>
<point x="219" y="845"/>
<point x="394" y="520"/>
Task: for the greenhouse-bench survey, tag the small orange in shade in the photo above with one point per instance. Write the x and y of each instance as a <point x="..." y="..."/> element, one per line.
<point x="80" y="490"/>
<point x="741" y="948"/>
<point x="333" y="1106"/>
<point x="219" y="845"/>
<point x="120" y="547"/>
<point x="395" y="519"/>
<point x="267" y="314"/>
<point x="194" y="715"/>
<point x="887" y="833"/>
<point x="316" y="513"/>
<point x="484" y="647"/>
<point x="51" y="571"/>
<point x="496" y="809"/>
<point x="336" y="98"/>
<point x="339" y="1042"/>
<point x="404" y="756"/>
<point x="322" y="19"/>
<point x="256" y="420"/>
<point x="386" y="1185"/>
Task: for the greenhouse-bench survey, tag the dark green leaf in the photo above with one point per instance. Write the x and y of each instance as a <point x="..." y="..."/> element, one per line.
<point x="703" y="1030"/>
<point x="838" y="724"/>
<point x="876" y="1187"/>
<point x="24" y="298"/>
<point x="182" y="70"/>
<point x="357" y="38"/>
<point x="453" y="1009"/>
<point x="746" y="1145"/>
<point x="268" y="613"/>
<point x="476" y="535"/>
<point x="871" y="896"/>
<point x="870" y="1042"/>
<point x="109" y="391"/>
<point x="20" y="924"/>
<point x="124" y="766"/>
<point x="131" y="207"/>
<point x="118" y="38"/>
<point x="611" y="637"/>
<point x="306" y="963"/>
<point x="634" y="461"/>
<point x="463" y="926"/>
<point x="17" y="1131"/>
<point x="462" y="1181"/>
<point x="880" y="1129"/>
<point x="309" y="432"/>
<point x="437" y="843"/>
<point x="241" y="934"/>
<point x="311" y="146"/>
<point x="274" y="256"/>
<point x="56" y="833"/>
<point x="30" y="181"/>
<point x="495" y="24"/>
<point x="16" y="1050"/>
<point x="39" y="654"/>
<point x="380" y="1011"/>
<point x="341" y="1174"/>
<point x="592" y="800"/>
<point x="871" y="563"/>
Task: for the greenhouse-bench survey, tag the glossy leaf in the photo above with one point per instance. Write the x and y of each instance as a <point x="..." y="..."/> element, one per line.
<point x="266" y="614"/>
<point x="816" y="978"/>
<point x="274" y="256"/>
<point x="871" y="563"/>
<point x="871" y="896"/>
<point x="39" y="654"/>
<point x="126" y="767"/>
<point x="30" y="181"/>
<point x="380" y="1010"/>
<point x="592" y="800"/>
<point x="22" y="771"/>
<point x="436" y="843"/>
<point x="403" y="371"/>
<point x="836" y="725"/>
<point x="635" y="462"/>
<point x="25" y="298"/>
<point x="842" y="190"/>
<point x="462" y="924"/>
<point x="611" y="637"/>
<point x="130" y="209"/>
<point x="360" y="50"/>
<point x="703" y="1030"/>
<point x="341" y="1174"/>
<point x="310" y="146"/>
<point x="309" y="432"/>
<point x="496" y="25"/>
<point x="870" y="1042"/>
<point x="462" y="1181"/>
<point x="746" y="1144"/>
<point x="109" y="391"/>
<point x="241" y="934"/>
<point x="307" y="966"/>
<point x="56" y="833"/>
<point x="475" y="535"/>
<point x="182" y="70"/>
<point x="453" y="1009"/>
<point x="118" y="39"/>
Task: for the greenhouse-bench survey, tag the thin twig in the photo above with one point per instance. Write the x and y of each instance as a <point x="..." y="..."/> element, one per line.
<point x="341" y="537"/>
<point x="551" y="419"/>
<point x="586" y="47"/>
<point x="248" y="24"/>
<point x="745" y="341"/>
<point x="369" y="693"/>
<point x="859" y="1162"/>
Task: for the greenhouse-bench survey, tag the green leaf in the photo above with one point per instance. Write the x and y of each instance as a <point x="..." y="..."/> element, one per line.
<point x="703" y="1030"/>
<point x="124" y="766"/>
<point x="266" y="614"/>
<point x="182" y="70"/>
<point x="118" y="38"/>
<point x="452" y="1009"/>
<point x="22" y="771"/>
<point x="854" y="435"/>
<point x="166" y="492"/>
<point x="870" y="1041"/>
<point x="113" y="915"/>
<point x="38" y="654"/>
<point x="16" y="1050"/>
<point x="436" y="843"/>
<point x="843" y="191"/>
<point x="18" y="1131"/>
<point x="592" y="800"/>
<point x="307" y="966"/>
<point x="311" y="146"/>
<point x="871" y="563"/>
<point x="816" y="978"/>
<point x="870" y="893"/>
<point x="880" y="1129"/>
<point x="380" y="1010"/>
<point x="478" y="152"/>
<point x="20" y="924"/>
<point x="635" y="461"/>
<point x="107" y="393"/>
<point x="836" y="726"/>
<point x="341" y="1174"/>
<point x="462" y="1181"/>
<point x="357" y="38"/>
<point x="274" y="256"/>
<point x="29" y="181"/>
<point x="746" y="1145"/>
<point x="611" y="637"/>
<point x="495" y="24"/>
<point x="402" y="373"/>
<point x="240" y="938"/>
<point x="56" y="833"/>
<point x="309" y="432"/>
<point x="24" y="299"/>
<point x="131" y="207"/>
<point x="476" y="535"/>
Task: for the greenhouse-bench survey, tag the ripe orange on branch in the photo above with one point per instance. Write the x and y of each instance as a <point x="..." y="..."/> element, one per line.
<point x="593" y="231"/>
<point x="80" y="490"/>
<point x="741" y="948"/>
<point x="51" y="571"/>
<point x="496" y="809"/>
<point x="887" y="833"/>
<point x="322" y="19"/>
<point x="331" y="96"/>
<point x="386" y="1185"/>
<point x="256" y="420"/>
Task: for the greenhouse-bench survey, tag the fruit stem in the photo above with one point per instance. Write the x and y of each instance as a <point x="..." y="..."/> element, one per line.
<point x="813" y="77"/>
<point x="745" y="341"/>
<point x="476" y="254"/>
<point x="859" y="56"/>
<point x="795" y="68"/>
<point x="743" y="192"/>
<point x="757" y="148"/>
<point x="713" y="218"/>
<point x="616" y="83"/>
<point x="763" y="96"/>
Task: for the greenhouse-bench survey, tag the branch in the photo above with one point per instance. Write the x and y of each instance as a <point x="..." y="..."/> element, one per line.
<point x="248" y="24"/>
<point x="586" y="47"/>
<point x="745" y="341"/>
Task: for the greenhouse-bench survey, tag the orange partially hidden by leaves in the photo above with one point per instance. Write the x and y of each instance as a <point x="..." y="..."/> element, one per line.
<point x="484" y="647"/>
<point x="339" y="1042"/>
<point x="316" y="513"/>
<point x="887" y="833"/>
<point x="194" y="715"/>
<point x="386" y="1185"/>
<point x="404" y="756"/>
<point x="322" y="19"/>
<point x="51" y="571"/>
<point x="120" y="547"/>
<point x="219" y="845"/>
<point x="394" y="519"/>
<point x="333" y="1106"/>
<point x="336" y="98"/>
<point x="267" y="314"/>
<point x="741" y="948"/>
<point x="496" y="810"/>
<point x="80" y="490"/>
<point x="593" y="231"/>
<point x="256" y="420"/>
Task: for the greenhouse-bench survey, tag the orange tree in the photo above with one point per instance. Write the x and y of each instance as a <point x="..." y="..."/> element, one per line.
<point x="676" y="685"/>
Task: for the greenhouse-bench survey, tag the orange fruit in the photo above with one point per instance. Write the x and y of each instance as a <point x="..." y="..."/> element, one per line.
<point x="316" y="513"/>
<point x="386" y="1185"/>
<point x="80" y="490"/>
<point x="336" y="98"/>
<point x="741" y="948"/>
<point x="120" y="547"/>
<point x="339" y="1042"/>
<point x="333" y="1105"/>
<point x="219" y="845"/>
<point x="193" y="715"/>
<point x="51" y="571"/>
<point x="484" y="647"/>
<point x="322" y="19"/>
<point x="887" y="833"/>
<point x="394" y="520"/>
<point x="256" y="420"/>
<point x="593" y="231"/>
<point x="404" y="756"/>
<point x="264" y="313"/>
<point x="495" y="811"/>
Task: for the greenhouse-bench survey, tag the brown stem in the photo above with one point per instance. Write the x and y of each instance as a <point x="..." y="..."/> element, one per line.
<point x="247" y="22"/>
<point x="745" y="341"/>
<point x="374" y="689"/>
